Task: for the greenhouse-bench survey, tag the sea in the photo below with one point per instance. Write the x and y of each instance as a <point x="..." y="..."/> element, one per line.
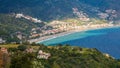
<point x="106" y="40"/>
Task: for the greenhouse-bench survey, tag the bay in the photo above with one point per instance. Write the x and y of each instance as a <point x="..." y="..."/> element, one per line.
<point x="107" y="40"/>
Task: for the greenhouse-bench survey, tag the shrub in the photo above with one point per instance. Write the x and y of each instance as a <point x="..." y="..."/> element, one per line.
<point x="22" y="47"/>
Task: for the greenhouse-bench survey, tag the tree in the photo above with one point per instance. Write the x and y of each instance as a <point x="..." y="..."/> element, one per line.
<point x="22" y="60"/>
<point x="22" y="47"/>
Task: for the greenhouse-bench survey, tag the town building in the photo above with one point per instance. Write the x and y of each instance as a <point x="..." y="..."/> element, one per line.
<point x="2" y="41"/>
<point x="29" y="50"/>
<point x="4" y="58"/>
<point x="4" y="50"/>
<point x="43" y="55"/>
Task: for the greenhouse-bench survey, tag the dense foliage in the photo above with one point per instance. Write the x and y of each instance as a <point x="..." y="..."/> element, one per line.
<point x="63" y="57"/>
<point x="22" y="60"/>
<point x="9" y="26"/>
<point x="56" y="9"/>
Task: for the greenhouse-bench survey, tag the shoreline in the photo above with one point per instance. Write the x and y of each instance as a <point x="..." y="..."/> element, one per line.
<point x="45" y="38"/>
<point x="80" y="29"/>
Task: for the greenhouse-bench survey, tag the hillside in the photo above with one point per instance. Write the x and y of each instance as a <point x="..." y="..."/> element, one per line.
<point x="61" y="56"/>
<point x="10" y="27"/>
<point x="47" y="10"/>
<point x="76" y="11"/>
<point x="24" y="20"/>
<point x="76" y="57"/>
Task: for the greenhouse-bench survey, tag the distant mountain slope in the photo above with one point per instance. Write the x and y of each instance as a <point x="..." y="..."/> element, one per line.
<point x="10" y="26"/>
<point x="47" y="10"/>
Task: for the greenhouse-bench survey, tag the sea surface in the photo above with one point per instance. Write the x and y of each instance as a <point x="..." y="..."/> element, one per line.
<point x="107" y="40"/>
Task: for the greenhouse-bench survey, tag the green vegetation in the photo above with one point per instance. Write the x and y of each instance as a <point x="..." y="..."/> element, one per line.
<point x="9" y="45"/>
<point x="22" y="60"/>
<point x="98" y="21"/>
<point x="62" y="56"/>
<point x="22" y="47"/>
<point x="47" y="10"/>
<point x="80" y="22"/>
<point x="75" y="57"/>
<point x="9" y="26"/>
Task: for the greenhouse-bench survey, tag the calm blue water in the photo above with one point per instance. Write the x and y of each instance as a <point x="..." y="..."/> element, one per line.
<point x="106" y="40"/>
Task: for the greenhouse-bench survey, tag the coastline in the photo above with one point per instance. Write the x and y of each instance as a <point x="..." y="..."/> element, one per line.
<point x="79" y="29"/>
<point x="45" y="38"/>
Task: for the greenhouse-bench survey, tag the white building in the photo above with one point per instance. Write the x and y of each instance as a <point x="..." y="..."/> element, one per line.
<point x="43" y="55"/>
<point x="19" y="15"/>
<point x="2" y="41"/>
<point x="20" y="36"/>
<point x="28" y="18"/>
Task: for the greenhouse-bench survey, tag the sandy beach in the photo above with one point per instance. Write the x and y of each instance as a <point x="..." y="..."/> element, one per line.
<point x="45" y="38"/>
<point x="78" y="29"/>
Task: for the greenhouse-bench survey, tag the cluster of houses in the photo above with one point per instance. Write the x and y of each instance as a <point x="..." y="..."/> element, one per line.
<point x="39" y="31"/>
<point x="29" y="50"/>
<point x="81" y="15"/>
<point x="57" y="27"/>
<point x="49" y="32"/>
<point x="2" y="41"/>
<point x="40" y="55"/>
<point x="43" y="55"/>
<point x="63" y="26"/>
<point x="28" y="18"/>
